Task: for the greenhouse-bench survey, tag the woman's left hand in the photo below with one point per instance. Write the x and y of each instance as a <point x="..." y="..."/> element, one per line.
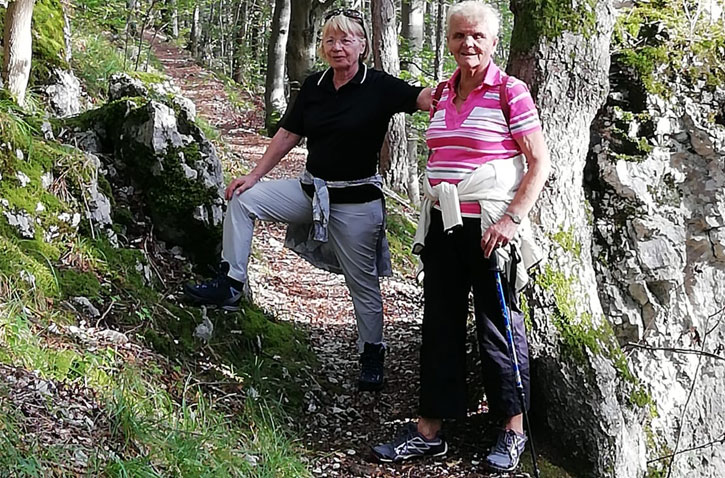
<point x="498" y="235"/>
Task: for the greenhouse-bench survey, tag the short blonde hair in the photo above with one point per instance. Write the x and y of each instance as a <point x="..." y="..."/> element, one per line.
<point x="350" y="26"/>
<point x="474" y="9"/>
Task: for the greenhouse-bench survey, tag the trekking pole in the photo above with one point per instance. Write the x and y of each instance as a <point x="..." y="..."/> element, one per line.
<point x="512" y="353"/>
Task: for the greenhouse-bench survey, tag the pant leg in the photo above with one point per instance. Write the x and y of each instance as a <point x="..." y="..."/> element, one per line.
<point x="443" y="351"/>
<point x="353" y="233"/>
<point x="279" y="201"/>
<point x="498" y="372"/>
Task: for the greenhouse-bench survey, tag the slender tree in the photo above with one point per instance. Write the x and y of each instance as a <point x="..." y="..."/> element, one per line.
<point x="195" y="35"/>
<point x="394" y="156"/>
<point x="413" y="29"/>
<point x="274" y="98"/>
<point x="17" y="53"/>
<point x="440" y="43"/>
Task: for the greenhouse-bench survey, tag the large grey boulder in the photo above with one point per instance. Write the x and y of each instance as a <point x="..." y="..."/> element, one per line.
<point x="159" y="165"/>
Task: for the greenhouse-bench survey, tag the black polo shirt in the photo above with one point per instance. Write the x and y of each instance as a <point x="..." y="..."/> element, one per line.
<point x="345" y="128"/>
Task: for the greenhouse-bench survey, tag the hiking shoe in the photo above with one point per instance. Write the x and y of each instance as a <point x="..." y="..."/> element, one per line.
<point x="410" y="444"/>
<point x="371" y="367"/>
<point x="506" y="453"/>
<point x="218" y="291"/>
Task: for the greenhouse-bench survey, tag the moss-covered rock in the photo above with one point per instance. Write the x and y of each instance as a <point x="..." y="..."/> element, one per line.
<point x="169" y="165"/>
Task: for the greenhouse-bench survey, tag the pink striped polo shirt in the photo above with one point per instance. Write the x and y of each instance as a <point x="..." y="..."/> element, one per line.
<point x="461" y="142"/>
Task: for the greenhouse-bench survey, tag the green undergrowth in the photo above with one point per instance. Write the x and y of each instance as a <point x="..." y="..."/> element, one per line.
<point x="401" y="231"/>
<point x="160" y="417"/>
<point x="663" y="39"/>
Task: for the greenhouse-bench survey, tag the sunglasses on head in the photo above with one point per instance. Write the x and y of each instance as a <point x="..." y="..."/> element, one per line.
<point x="348" y="12"/>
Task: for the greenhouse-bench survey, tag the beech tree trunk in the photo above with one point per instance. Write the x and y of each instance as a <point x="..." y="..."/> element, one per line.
<point x="173" y="19"/>
<point x="394" y="155"/>
<point x="195" y="33"/>
<point x="579" y="391"/>
<point x="413" y="30"/>
<point x="17" y="53"/>
<point x="304" y="23"/>
<point x="274" y="98"/>
<point x="239" y="43"/>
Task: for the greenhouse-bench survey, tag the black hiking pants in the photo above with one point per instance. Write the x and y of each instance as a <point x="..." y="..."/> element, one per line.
<point x="454" y="265"/>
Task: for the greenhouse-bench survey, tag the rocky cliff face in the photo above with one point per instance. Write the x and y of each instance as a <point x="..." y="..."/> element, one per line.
<point x="627" y="311"/>
<point x="656" y="180"/>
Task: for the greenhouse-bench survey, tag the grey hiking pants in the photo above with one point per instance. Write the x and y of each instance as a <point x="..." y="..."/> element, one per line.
<point x="353" y="233"/>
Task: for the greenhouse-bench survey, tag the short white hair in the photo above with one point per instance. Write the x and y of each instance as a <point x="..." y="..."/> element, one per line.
<point x="349" y="26"/>
<point x="474" y="9"/>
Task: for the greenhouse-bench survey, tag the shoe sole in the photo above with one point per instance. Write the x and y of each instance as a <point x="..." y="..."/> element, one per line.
<point x="382" y="459"/>
<point x="203" y="301"/>
<point x="499" y="469"/>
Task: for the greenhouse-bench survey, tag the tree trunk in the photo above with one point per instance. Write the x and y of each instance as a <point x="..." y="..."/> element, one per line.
<point x="579" y="393"/>
<point x="440" y="43"/>
<point x="301" y="46"/>
<point x="195" y="33"/>
<point x="274" y="98"/>
<point x="394" y="155"/>
<point x="173" y="19"/>
<point x="413" y="16"/>
<point x="239" y="43"/>
<point x="67" y="34"/>
<point x="18" y="51"/>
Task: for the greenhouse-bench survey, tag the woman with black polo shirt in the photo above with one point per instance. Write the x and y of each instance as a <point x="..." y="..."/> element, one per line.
<point x="335" y="210"/>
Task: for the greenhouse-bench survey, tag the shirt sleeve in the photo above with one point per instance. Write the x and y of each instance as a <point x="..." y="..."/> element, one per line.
<point x="293" y="119"/>
<point x="400" y="96"/>
<point x="524" y="118"/>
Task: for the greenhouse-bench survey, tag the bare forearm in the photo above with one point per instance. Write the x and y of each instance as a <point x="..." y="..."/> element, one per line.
<point x="281" y="144"/>
<point x="539" y="166"/>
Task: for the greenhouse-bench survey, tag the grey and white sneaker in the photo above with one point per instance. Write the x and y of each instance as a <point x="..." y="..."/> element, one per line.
<point x="410" y="444"/>
<point x="506" y="453"/>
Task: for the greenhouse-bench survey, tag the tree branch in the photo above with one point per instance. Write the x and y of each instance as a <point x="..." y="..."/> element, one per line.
<point x="676" y="350"/>
<point x="720" y="440"/>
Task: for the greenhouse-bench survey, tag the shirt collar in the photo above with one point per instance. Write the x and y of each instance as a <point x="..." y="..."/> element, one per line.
<point x="492" y="77"/>
<point x="358" y="79"/>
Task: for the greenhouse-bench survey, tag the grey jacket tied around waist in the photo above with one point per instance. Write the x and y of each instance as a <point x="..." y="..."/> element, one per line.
<point x="309" y="240"/>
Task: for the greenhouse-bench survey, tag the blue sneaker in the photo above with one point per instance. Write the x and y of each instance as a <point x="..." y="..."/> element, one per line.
<point x="410" y="444"/>
<point x="506" y="453"/>
<point x="219" y="291"/>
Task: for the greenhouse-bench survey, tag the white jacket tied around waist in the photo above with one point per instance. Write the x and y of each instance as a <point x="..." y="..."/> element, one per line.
<point x="493" y="186"/>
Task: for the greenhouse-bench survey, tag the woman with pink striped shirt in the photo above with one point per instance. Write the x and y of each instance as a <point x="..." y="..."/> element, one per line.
<point x="488" y="164"/>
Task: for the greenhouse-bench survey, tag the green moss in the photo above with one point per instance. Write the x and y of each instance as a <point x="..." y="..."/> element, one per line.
<point x="48" y="40"/>
<point x="579" y="334"/>
<point x="13" y="260"/>
<point x="568" y="242"/>
<point x="524" y="305"/>
<point x="73" y="283"/>
<point x="657" y="38"/>
<point x="549" y="19"/>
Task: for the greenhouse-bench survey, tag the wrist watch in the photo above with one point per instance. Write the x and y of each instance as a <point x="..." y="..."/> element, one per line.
<point x="514" y="217"/>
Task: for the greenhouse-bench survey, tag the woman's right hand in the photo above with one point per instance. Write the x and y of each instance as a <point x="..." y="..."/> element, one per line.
<point x="240" y="184"/>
